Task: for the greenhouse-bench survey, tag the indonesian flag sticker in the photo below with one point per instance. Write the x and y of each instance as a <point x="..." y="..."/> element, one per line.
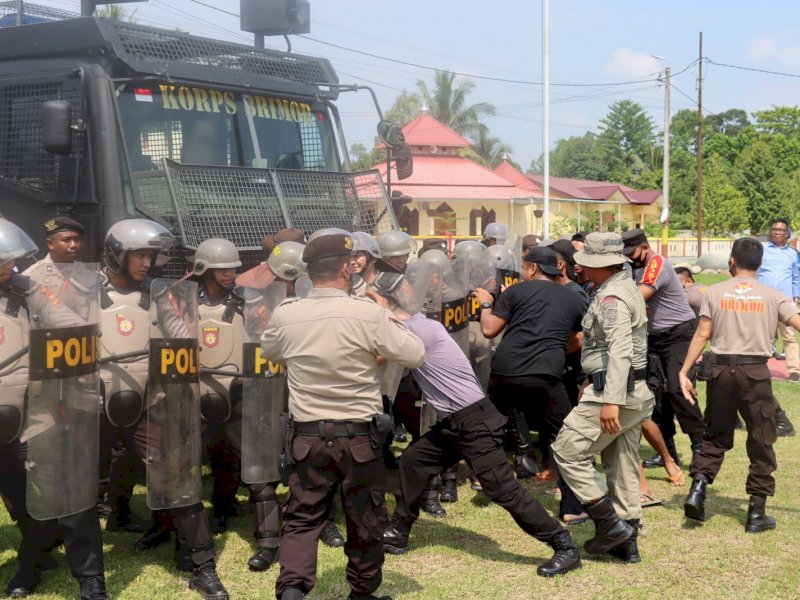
<point x="143" y="94"/>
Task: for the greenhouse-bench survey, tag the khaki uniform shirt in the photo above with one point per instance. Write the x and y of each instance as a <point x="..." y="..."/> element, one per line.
<point x="695" y="294"/>
<point x="329" y="342"/>
<point x="744" y="315"/>
<point x="615" y="340"/>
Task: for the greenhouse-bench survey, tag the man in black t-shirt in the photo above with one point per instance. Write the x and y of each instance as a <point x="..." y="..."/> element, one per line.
<point x="540" y="320"/>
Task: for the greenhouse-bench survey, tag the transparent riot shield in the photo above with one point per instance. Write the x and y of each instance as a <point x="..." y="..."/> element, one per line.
<point x="173" y="413"/>
<point x="508" y="271"/>
<point x="482" y="274"/>
<point x="302" y="286"/>
<point x="455" y="302"/>
<point x="64" y="391"/>
<point x="264" y="393"/>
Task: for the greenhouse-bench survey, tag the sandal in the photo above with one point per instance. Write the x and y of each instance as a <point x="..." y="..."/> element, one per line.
<point x="647" y="500"/>
<point x="678" y="479"/>
<point x="569" y="520"/>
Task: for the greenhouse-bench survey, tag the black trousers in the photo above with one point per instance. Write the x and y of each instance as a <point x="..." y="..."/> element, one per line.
<point x="322" y="465"/>
<point x="671" y="347"/>
<point x="474" y="433"/>
<point x="746" y="389"/>
<point x="545" y="404"/>
<point x="81" y="532"/>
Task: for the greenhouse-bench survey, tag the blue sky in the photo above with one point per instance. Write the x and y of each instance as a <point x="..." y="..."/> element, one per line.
<point x="591" y="43"/>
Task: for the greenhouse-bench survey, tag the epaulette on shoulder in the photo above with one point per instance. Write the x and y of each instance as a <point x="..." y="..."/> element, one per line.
<point x="20" y="285"/>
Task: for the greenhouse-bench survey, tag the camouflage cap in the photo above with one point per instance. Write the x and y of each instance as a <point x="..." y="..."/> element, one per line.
<point x="601" y="250"/>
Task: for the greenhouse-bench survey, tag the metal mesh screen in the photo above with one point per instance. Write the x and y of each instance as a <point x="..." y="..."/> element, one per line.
<point x="35" y="11"/>
<point x="23" y="160"/>
<point x="242" y="205"/>
<point x="324" y="199"/>
<point x="161" y="46"/>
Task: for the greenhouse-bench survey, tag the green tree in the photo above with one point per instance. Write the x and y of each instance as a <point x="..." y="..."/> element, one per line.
<point x="626" y="140"/>
<point x="577" y="157"/>
<point x="362" y="159"/>
<point x="730" y="122"/>
<point x="406" y="108"/>
<point x="116" y="12"/>
<point x="487" y="150"/>
<point x="766" y="188"/>
<point x="724" y="206"/>
<point x="448" y="103"/>
<point x="779" y="120"/>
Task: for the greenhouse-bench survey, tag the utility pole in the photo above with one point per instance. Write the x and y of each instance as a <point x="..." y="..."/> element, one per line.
<point x="665" y="178"/>
<point x="700" y="152"/>
<point x="546" y="115"/>
<point x="20" y="12"/>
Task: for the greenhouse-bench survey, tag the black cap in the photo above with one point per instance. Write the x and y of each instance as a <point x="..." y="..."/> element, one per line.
<point x="566" y="250"/>
<point x="328" y="246"/>
<point x="61" y="223"/>
<point x="632" y="239"/>
<point x="435" y="244"/>
<point x="544" y="258"/>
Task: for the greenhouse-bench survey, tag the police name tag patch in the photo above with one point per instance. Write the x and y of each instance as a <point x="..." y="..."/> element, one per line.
<point x="609" y="305"/>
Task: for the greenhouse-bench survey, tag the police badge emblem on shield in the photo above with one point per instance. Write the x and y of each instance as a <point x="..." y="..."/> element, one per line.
<point x="125" y="326"/>
<point x="210" y="336"/>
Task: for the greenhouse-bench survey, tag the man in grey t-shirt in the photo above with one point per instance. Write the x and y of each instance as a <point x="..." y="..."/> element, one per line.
<point x="469" y="427"/>
<point x="671" y="325"/>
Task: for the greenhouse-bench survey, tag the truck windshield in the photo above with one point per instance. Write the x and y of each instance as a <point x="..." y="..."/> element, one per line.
<point x="211" y="126"/>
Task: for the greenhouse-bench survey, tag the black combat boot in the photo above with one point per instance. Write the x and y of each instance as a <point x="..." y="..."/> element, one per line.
<point x="331" y="536"/>
<point x="565" y="559"/>
<point x="609" y="529"/>
<point x="757" y="518"/>
<point x="123" y="519"/>
<point x="694" y="507"/>
<point x="354" y="596"/>
<point x="784" y="425"/>
<point x="395" y="538"/>
<point x="206" y="581"/>
<point x="449" y="491"/>
<point x="25" y="580"/>
<point x="525" y="461"/>
<point x="293" y="593"/>
<point x="263" y="559"/>
<point x="93" y="587"/>
<point x="153" y="537"/>
<point x="628" y="551"/>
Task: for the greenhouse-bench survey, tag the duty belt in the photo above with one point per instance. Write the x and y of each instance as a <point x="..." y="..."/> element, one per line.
<point x="685" y="327"/>
<point x="326" y="429"/>
<point x="598" y="378"/>
<point x="738" y="359"/>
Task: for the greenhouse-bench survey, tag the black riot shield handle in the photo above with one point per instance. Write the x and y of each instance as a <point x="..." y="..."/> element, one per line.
<point x="12" y="359"/>
<point x="123" y="356"/>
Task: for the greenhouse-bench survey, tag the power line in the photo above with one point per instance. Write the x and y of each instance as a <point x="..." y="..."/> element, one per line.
<point x="742" y="68"/>
<point x="217" y="8"/>
<point x="682" y="93"/>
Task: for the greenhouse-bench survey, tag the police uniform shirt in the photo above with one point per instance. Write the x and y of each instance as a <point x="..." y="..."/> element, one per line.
<point x="744" y="315"/>
<point x="329" y="342"/>
<point x="694" y="294"/>
<point x="47" y="260"/>
<point x="668" y="307"/>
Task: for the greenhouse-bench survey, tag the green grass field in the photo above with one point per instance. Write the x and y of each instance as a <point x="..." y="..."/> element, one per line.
<point x="478" y="552"/>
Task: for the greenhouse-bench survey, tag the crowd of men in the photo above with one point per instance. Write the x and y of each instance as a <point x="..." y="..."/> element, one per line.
<point x="305" y="369"/>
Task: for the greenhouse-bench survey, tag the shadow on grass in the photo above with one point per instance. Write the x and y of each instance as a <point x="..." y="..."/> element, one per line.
<point x="332" y="583"/>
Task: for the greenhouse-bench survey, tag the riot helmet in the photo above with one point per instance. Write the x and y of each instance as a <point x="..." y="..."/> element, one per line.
<point x="364" y="242"/>
<point x="495" y="231"/>
<point x="438" y="259"/>
<point x="328" y="231"/>
<point x="215" y="253"/>
<point x="286" y="261"/>
<point x="396" y="243"/>
<point x="501" y="256"/>
<point x="14" y="243"/>
<point x="133" y="234"/>
<point x="397" y="288"/>
<point x="469" y="249"/>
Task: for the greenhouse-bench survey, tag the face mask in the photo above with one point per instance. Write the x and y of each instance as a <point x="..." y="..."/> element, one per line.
<point x="637" y="263"/>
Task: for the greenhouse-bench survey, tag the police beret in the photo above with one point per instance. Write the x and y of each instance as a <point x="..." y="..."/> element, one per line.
<point x="61" y="223"/>
<point x="632" y="240"/>
<point x="328" y="246"/>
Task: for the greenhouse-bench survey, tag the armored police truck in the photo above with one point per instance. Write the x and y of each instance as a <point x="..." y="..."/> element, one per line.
<point x="108" y="120"/>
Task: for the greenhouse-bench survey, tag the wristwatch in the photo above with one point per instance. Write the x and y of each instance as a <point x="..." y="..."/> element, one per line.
<point x="486" y="305"/>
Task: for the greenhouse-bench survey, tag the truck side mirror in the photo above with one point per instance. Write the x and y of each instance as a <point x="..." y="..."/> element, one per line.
<point x="57" y="126"/>
<point x="391" y="135"/>
<point x="403" y="161"/>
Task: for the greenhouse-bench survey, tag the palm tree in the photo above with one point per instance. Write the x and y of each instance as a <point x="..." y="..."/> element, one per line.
<point x="487" y="150"/>
<point x="448" y="103"/>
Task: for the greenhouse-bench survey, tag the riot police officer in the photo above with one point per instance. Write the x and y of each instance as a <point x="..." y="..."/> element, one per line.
<point x="364" y="262"/>
<point x="395" y="248"/>
<point x="82" y="537"/>
<point x="609" y="416"/>
<point x="131" y="250"/>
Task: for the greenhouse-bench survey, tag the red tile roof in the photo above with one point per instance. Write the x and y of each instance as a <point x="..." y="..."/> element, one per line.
<point x="643" y="196"/>
<point x="427" y="131"/>
<point x="454" y="178"/>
